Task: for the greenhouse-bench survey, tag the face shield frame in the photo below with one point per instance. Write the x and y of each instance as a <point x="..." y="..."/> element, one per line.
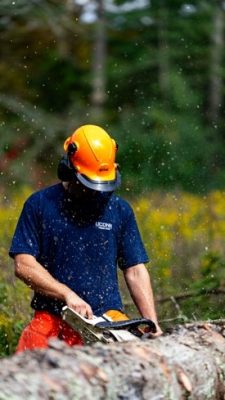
<point x="67" y="173"/>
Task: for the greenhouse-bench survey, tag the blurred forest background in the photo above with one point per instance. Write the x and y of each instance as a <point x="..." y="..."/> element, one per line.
<point x="151" y="72"/>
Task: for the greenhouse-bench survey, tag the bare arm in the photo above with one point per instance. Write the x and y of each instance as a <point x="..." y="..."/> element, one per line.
<point x="139" y="284"/>
<point x="39" y="279"/>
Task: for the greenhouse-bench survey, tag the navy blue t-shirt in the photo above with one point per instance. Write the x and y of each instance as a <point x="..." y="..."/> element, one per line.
<point x="79" y="244"/>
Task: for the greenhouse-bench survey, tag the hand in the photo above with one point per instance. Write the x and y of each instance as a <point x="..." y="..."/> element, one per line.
<point x="159" y="331"/>
<point x="149" y="334"/>
<point x="76" y="303"/>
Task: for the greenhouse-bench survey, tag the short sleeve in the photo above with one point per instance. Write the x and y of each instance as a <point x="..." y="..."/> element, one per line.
<point x="131" y="250"/>
<point x="26" y="236"/>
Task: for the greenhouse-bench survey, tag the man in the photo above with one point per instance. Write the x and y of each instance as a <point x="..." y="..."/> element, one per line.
<point x="70" y="238"/>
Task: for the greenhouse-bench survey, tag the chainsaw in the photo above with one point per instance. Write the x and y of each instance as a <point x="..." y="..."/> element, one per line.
<point x="104" y="329"/>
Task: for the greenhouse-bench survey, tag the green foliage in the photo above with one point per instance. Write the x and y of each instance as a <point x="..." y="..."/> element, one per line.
<point x="14" y="295"/>
<point x="56" y="82"/>
<point x="207" y="293"/>
<point x="208" y="303"/>
<point x="212" y="270"/>
<point x="14" y="314"/>
<point x="157" y="67"/>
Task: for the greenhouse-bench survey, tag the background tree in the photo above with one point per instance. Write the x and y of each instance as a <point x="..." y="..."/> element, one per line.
<point x="157" y="87"/>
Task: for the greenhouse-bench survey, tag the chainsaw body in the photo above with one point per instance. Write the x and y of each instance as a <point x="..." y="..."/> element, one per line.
<point x="105" y="330"/>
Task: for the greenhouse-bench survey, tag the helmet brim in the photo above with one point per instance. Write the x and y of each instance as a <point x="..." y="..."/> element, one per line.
<point x="100" y="186"/>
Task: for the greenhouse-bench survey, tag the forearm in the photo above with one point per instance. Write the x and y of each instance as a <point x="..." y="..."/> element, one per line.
<point x="38" y="278"/>
<point x="139" y="284"/>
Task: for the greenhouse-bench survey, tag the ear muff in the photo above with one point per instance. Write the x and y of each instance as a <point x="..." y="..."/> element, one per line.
<point x="71" y="149"/>
<point x="65" y="171"/>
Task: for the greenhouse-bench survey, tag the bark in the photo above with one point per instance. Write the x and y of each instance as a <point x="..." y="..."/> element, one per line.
<point x="98" y="95"/>
<point x="163" y="51"/>
<point x="216" y="84"/>
<point x="188" y="363"/>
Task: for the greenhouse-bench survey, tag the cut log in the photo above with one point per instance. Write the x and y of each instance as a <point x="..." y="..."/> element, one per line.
<point x="188" y="363"/>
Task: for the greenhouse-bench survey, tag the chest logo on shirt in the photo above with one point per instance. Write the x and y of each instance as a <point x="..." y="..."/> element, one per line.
<point x="103" y="225"/>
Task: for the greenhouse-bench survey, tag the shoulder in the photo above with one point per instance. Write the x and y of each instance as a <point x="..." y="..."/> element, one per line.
<point x="50" y="193"/>
<point x="121" y="205"/>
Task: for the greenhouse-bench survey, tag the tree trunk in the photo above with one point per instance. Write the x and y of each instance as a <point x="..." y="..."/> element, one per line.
<point x="216" y="84"/>
<point x="163" y="51"/>
<point x="188" y="363"/>
<point x="98" y="94"/>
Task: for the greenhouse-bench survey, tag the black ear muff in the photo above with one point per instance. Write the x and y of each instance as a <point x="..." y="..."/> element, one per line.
<point x="72" y="148"/>
<point x="65" y="171"/>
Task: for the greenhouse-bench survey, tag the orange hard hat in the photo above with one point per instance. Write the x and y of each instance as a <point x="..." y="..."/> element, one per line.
<point x="92" y="152"/>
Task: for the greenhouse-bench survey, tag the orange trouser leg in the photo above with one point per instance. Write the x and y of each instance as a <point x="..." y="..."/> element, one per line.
<point x="43" y="327"/>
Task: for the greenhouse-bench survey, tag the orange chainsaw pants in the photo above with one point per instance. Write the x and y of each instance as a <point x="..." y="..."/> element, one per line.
<point x="43" y="327"/>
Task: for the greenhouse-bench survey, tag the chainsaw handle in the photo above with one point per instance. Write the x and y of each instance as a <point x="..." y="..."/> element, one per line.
<point x="130" y="323"/>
